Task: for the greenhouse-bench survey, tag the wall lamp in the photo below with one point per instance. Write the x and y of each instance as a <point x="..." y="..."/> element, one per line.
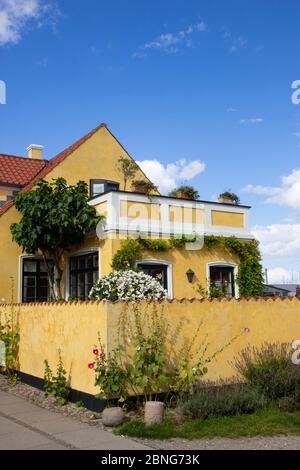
<point x="190" y="275"/>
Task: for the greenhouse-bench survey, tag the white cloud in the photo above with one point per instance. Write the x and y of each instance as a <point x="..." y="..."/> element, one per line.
<point x="288" y="194"/>
<point x="234" y="44"/>
<point x="278" y="240"/>
<point x="261" y="190"/>
<point x="167" y="177"/>
<point x="16" y="15"/>
<point x="170" y="42"/>
<point x="258" y="120"/>
<point x="280" y="275"/>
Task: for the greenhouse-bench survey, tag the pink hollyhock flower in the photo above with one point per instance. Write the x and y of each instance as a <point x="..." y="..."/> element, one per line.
<point x="96" y="352"/>
<point x="247" y="330"/>
<point x="91" y="365"/>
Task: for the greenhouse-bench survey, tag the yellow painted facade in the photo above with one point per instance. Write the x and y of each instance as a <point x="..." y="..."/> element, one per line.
<point x="228" y="219"/>
<point x="186" y="214"/>
<point x="97" y="158"/>
<point x="74" y="327"/>
<point x="136" y="210"/>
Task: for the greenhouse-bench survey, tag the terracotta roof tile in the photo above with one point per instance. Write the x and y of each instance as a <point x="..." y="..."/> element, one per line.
<point x="50" y="164"/>
<point x="19" y="171"/>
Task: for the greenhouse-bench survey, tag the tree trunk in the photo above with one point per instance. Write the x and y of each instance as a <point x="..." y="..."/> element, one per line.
<point x="50" y="276"/>
<point x="54" y="276"/>
<point x="57" y="282"/>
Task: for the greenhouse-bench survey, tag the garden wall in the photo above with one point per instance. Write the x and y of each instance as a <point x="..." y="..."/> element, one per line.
<point x="73" y="328"/>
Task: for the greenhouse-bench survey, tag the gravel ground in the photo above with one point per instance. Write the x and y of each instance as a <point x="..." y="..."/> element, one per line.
<point x="249" y="443"/>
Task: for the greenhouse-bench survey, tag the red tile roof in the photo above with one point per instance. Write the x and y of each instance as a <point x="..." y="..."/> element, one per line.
<point x="19" y="171"/>
<point x="50" y="164"/>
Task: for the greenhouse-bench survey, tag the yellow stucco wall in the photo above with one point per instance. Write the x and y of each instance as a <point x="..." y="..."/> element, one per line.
<point x="9" y="258"/>
<point x="186" y="215"/>
<point x="221" y="321"/>
<point x="140" y="210"/>
<point x="227" y="219"/>
<point x="181" y="261"/>
<point x="74" y="327"/>
<point x="97" y="158"/>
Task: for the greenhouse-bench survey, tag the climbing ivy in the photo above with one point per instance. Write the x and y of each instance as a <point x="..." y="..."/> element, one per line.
<point x="132" y="250"/>
<point x="249" y="279"/>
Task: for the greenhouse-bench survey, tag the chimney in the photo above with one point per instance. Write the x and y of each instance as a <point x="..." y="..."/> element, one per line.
<point x="35" y="151"/>
<point x="298" y="291"/>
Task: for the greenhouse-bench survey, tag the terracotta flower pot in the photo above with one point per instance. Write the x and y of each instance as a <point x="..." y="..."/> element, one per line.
<point x="182" y="195"/>
<point x="139" y="189"/>
<point x="226" y="200"/>
<point x="154" y="412"/>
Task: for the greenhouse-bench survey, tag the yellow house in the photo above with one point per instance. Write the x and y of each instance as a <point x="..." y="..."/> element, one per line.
<point x="94" y="159"/>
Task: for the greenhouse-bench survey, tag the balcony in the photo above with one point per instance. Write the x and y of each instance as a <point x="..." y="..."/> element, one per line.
<point x="128" y="213"/>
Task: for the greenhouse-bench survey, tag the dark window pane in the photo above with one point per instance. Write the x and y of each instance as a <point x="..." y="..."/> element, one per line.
<point x="82" y="278"/>
<point x="95" y="260"/>
<point x="43" y="267"/>
<point x="73" y="263"/>
<point x="35" y="286"/>
<point x="222" y="278"/>
<point x="112" y="187"/>
<point x="81" y="262"/>
<point x="30" y="266"/>
<point x="89" y="261"/>
<point x="158" y="271"/>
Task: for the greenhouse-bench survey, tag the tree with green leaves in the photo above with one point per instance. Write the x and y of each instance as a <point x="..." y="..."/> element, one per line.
<point x="55" y="216"/>
<point x="128" y="168"/>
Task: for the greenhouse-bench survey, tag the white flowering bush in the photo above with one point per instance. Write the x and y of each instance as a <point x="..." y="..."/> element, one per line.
<point x="128" y="286"/>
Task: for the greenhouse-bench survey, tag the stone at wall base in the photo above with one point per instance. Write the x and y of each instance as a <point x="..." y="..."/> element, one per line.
<point x="154" y="412"/>
<point x="112" y="416"/>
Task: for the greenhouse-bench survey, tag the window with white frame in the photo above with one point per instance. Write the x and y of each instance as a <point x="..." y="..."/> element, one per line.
<point x="35" y="284"/>
<point x="222" y="280"/>
<point x="83" y="272"/>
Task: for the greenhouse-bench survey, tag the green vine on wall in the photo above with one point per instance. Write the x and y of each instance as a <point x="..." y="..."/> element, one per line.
<point x="250" y="276"/>
<point x="132" y="250"/>
<point x="249" y="279"/>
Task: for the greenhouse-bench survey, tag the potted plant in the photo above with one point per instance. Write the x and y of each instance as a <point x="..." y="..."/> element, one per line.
<point x="128" y="168"/>
<point x="143" y="187"/>
<point x="229" y="197"/>
<point x="185" y="192"/>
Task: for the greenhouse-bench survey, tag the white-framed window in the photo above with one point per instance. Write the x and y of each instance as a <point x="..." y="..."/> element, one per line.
<point x="34" y="284"/>
<point x="222" y="276"/>
<point x="82" y="272"/>
<point x="160" y="270"/>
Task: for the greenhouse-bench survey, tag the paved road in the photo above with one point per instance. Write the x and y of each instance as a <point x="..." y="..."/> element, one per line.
<point x="24" y="425"/>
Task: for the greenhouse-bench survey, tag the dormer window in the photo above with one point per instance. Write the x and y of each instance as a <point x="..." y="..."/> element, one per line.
<point x="98" y="187"/>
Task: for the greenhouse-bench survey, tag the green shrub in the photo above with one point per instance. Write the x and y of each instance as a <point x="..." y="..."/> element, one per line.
<point x="222" y="401"/>
<point x="269" y="370"/>
<point x="289" y="404"/>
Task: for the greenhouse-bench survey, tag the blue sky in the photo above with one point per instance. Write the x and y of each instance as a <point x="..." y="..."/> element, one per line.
<point x="207" y="82"/>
